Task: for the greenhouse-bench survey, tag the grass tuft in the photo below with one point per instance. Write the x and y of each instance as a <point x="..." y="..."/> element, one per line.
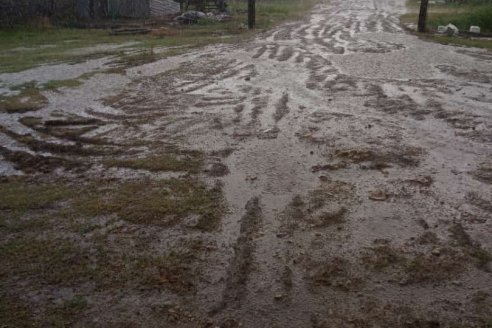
<point x="164" y="203"/>
<point x="166" y="162"/>
<point x="28" y="99"/>
<point x="19" y="196"/>
<point x="54" y="85"/>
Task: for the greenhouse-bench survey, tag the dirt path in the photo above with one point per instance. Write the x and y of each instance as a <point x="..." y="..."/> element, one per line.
<point x="359" y="164"/>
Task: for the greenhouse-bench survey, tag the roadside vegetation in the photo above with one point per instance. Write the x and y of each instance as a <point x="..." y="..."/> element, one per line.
<point x="27" y="47"/>
<point x="462" y="14"/>
<point x="56" y="236"/>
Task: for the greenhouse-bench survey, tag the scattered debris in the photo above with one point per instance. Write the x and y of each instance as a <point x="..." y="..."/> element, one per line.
<point x="441" y="29"/>
<point x="451" y="30"/>
<point x="475" y="29"/>
<point x="190" y="17"/>
<point x="193" y="16"/>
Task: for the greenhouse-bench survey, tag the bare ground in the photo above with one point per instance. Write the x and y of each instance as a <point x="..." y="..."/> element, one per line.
<point x="333" y="172"/>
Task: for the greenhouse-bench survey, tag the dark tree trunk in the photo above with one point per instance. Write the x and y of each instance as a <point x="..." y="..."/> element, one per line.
<point x="422" y="15"/>
<point x="251" y="14"/>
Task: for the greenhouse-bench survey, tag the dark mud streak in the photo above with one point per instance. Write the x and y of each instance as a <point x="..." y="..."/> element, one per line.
<point x="242" y="261"/>
<point x="36" y="163"/>
<point x="281" y="109"/>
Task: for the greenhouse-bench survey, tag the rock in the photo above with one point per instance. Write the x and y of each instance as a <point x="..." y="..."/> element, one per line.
<point x="378" y="195"/>
<point x="281" y="235"/>
<point x="451" y="30"/>
<point x="475" y="29"/>
<point x="278" y="297"/>
<point x="425" y="181"/>
<point x="436" y="252"/>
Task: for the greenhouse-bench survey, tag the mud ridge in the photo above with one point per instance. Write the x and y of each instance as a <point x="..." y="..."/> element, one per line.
<point x="242" y="262"/>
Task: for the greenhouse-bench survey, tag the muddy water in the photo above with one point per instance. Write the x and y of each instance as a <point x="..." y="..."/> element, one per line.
<point x="345" y="134"/>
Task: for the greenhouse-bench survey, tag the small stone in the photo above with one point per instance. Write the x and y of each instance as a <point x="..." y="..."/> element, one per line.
<point x="436" y="252"/>
<point x="279" y="296"/>
<point x="247" y="78"/>
<point x="378" y="195"/>
<point x="281" y="235"/>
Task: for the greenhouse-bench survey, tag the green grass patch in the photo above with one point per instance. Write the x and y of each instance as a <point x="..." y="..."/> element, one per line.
<point x="462" y="17"/>
<point x="163" y="203"/>
<point x="51" y="261"/>
<point x="449" y="40"/>
<point x="20" y="196"/>
<point x="13" y="313"/>
<point x="54" y="85"/>
<point x="165" y="162"/>
<point x="81" y="239"/>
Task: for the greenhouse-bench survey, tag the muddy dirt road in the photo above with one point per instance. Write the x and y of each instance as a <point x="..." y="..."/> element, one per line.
<point x="355" y="161"/>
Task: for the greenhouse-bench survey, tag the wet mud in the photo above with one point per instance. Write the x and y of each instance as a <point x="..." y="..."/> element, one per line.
<point x="354" y="160"/>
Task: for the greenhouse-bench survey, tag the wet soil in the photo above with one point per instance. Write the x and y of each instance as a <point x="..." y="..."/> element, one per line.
<point x="355" y="162"/>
